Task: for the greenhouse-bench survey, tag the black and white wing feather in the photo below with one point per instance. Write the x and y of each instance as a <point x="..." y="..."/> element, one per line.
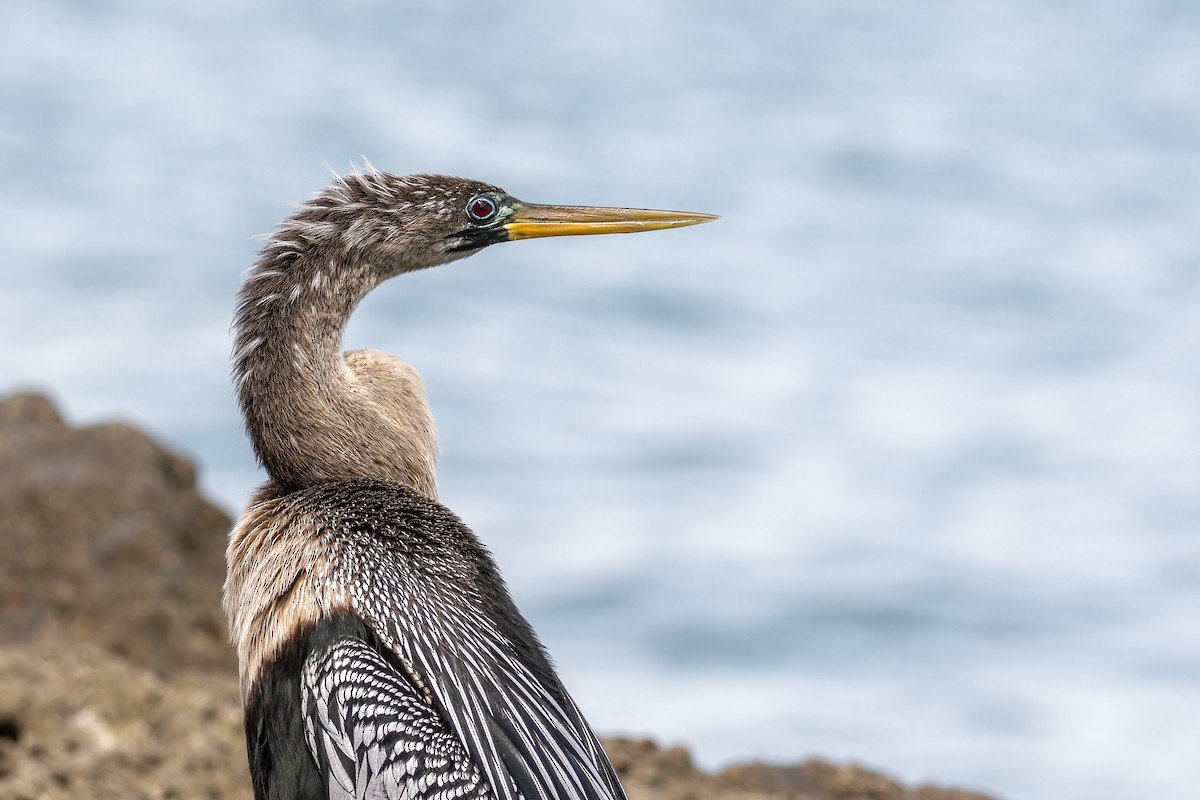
<point x="528" y="737"/>
<point x="448" y="682"/>
<point x="373" y="736"/>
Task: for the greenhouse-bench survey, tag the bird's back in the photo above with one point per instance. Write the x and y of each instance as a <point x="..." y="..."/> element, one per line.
<point x="389" y="659"/>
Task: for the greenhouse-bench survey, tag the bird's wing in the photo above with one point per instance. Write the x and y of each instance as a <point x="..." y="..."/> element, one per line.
<point x="503" y="734"/>
<point x="373" y="735"/>
<point x="419" y="580"/>
<point x="525" y="734"/>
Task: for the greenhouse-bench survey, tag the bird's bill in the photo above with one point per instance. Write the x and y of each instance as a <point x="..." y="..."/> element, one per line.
<point x="531" y="221"/>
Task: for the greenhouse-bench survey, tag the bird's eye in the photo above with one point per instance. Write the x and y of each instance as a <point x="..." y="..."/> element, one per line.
<point x="481" y="208"/>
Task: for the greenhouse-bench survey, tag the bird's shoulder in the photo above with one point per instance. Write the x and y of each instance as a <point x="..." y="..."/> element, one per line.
<point x="297" y="556"/>
<point x="399" y="526"/>
<point x="371" y="508"/>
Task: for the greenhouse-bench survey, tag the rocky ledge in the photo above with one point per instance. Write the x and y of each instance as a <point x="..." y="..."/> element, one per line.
<point x="118" y="681"/>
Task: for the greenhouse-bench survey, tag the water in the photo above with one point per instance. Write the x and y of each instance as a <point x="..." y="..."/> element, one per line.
<point x="896" y="462"/>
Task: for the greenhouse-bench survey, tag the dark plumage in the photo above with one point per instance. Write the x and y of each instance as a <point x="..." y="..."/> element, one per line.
<point x="380" y="653"/>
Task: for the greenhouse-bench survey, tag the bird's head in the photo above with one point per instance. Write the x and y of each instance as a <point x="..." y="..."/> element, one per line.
<point x="401" y="224"/>
<point x="313" y="271"/>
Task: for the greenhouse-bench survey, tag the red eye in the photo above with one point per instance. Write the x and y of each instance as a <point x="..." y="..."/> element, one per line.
<point x="481" y="209"/>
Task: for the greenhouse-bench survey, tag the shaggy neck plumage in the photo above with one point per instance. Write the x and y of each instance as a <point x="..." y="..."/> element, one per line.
<point x="311" y="417"/>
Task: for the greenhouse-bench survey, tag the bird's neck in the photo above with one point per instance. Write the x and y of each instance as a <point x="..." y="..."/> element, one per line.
<point x="312" y="417"/>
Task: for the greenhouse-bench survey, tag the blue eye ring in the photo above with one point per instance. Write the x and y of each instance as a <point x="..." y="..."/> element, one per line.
<point x="482" y="208"/>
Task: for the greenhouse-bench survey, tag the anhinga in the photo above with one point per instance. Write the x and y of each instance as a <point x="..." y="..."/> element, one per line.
<point x="380" y="653"/>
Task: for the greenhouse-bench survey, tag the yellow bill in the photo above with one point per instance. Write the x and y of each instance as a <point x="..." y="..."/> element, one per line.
<point x="531" y="221"/>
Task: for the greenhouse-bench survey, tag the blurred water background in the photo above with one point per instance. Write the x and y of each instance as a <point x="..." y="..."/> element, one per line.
<point x="897" y="462"/>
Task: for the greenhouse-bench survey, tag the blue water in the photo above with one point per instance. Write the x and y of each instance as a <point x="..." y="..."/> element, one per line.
<point x="898" y="462"/>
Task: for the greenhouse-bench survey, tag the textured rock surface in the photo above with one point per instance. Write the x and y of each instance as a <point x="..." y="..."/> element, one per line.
<point x="82" y="722"/>
<point x="117" y="680"/>
<point x="105" y="538"/>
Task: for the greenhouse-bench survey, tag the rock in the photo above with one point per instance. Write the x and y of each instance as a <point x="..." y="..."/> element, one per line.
<point x="107" y="540"/>
<point x="653" y="773"/>
<point x="821" y="779"/>
<point x="117" y="677"/>
<point x="78" y="721"/>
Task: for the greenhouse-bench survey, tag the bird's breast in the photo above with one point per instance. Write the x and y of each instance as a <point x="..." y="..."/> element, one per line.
<point x="280" y="581"/>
